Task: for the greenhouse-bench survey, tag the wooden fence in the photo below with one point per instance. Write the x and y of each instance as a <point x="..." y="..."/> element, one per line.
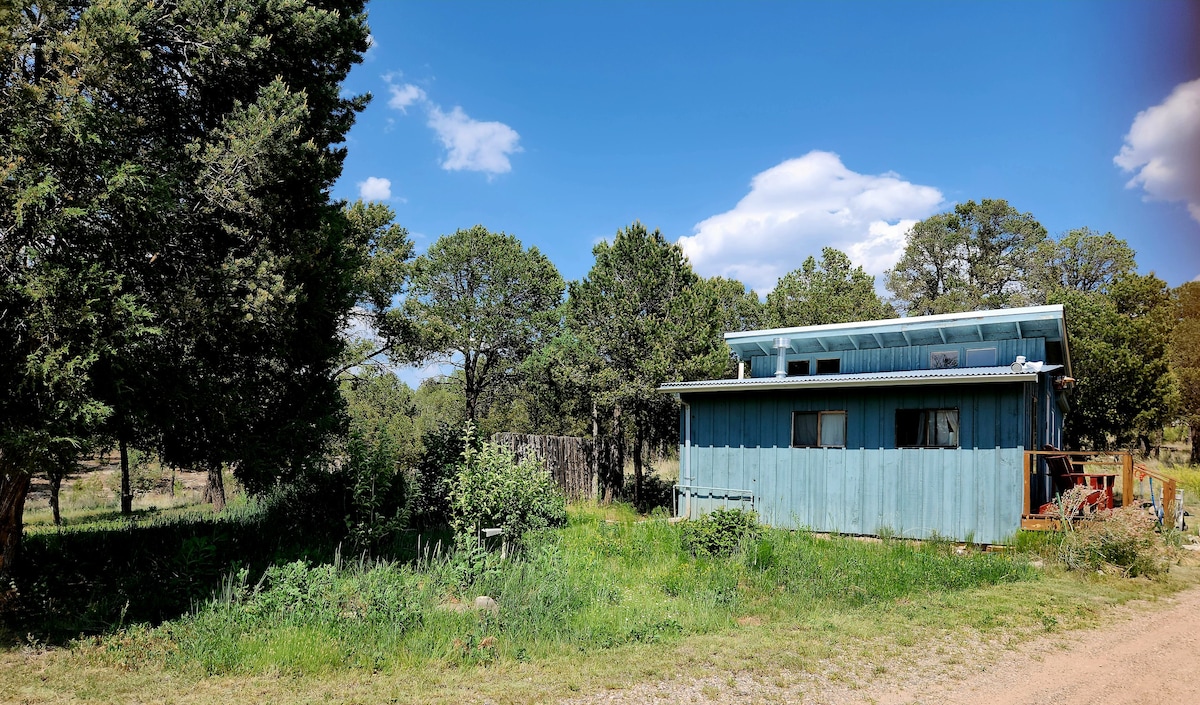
<point x="570" y="461"/>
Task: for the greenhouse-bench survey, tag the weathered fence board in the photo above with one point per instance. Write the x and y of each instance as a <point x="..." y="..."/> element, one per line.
<point x="571" y="461"/>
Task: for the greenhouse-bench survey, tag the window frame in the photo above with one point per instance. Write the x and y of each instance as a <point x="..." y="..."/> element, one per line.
<point x="803" y="364"/>
<point x="993" y="349"/>
<point x="948" y="353"/>
<point x="837" y="363"/>
<point x="820" y="424"/>
<point x="927" y="427"/>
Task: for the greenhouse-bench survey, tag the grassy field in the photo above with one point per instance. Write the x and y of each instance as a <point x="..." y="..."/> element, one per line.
<point x="606" y="602"/>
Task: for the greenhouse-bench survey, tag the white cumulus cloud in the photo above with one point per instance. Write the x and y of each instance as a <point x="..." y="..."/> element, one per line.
<point x="404" y="95"/>
<point x="375" y="189"/>
<point x="1162" y="149"/>
<point x="801" y="205"/>
<point x="473" y="145"/>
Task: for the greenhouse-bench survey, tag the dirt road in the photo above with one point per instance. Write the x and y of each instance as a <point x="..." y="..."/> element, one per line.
<point x="1149" y="654"/>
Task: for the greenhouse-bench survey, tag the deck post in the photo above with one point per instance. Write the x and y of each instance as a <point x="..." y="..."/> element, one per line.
<point x="1029" y="458"/>
<point x="1168" y="503"/>
<point x="1126" y="479"/>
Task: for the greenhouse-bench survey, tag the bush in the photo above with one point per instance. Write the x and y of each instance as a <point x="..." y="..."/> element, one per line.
<point x="719" y="532"/>
<point x="1124" y="539"/>
<point x="492" y="489"/>
<point x="434" y="473"/>
<point x="378" y="498"/>
<point x="656" y="493"/>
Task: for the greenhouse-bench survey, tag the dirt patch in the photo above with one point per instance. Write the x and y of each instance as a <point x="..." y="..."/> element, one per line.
<point x="1150" y="653"/>
<point x="100" y="480"/>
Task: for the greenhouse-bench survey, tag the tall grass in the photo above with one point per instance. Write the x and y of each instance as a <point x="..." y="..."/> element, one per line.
<point x="593" y="585"/>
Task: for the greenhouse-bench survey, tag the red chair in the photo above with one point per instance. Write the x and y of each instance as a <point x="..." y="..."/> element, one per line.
<point x="1062" y="474"/>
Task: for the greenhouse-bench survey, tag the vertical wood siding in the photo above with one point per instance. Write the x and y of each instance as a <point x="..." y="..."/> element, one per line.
<point x="905" y="358"/>
<point x="741" y="445"/>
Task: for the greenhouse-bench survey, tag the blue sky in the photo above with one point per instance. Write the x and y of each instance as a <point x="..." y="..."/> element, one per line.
<point x="760" y="132"/>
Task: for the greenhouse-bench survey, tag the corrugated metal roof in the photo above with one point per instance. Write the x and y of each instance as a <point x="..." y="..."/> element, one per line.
<point x="899" y="378"/>
<point x="943" y="329"/>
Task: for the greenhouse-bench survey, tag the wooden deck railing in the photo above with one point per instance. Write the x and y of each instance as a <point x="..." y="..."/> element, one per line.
<point x="1114" y="464"/>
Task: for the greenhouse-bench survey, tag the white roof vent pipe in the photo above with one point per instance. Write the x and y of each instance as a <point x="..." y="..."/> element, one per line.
<point x="781" y="348"/>
<point x="1020" y="365"/>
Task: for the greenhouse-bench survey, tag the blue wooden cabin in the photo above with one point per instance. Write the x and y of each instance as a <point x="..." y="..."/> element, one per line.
<point x="911" y="426"/>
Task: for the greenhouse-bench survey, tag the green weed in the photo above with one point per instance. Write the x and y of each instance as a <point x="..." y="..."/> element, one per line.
<point x="591" y="586"/>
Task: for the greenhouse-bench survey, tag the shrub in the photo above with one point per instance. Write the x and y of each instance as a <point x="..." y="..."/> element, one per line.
<point x="442" y="449"/>
<point x="1121" y="538"/>
<point x="492" y="489"/>
<point x="656" y="493"/>
<point x="377" y="509"/>
<point x="719" y="532"/>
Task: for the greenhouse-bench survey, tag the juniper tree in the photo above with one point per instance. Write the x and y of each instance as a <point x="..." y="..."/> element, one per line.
<point x="175" y="272"/>
<point x="642" y="317"/>
<point x="830" y="291"/>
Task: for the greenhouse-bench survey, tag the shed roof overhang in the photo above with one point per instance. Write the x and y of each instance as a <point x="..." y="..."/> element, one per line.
<point x="902" y="378"/>
<point x="943" y="329"/>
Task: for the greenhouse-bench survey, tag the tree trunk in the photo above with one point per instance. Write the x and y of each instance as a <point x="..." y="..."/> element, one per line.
<point x="126" y="492"/>
<point x="617" y="481"/>
<point x="56" y="478"/>
<point x="596" y="451"/>
<point x="637" y="465"/>
<point x="470" y="392"/>
<point x="1194" y="436"/>
<point x="1143" y="444"/>
<point x="14" y="486"/>
<point x="214" y="491"/>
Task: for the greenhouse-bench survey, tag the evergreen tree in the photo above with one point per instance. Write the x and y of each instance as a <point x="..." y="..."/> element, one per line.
<point x="978" y="256"/>
<point x="482" y="302"/>
<point x="641" y="318"/>
<point x="175" y="272"/>
<point x="831" y="291"/>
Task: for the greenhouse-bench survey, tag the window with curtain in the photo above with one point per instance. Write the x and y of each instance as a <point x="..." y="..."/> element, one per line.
<point x="818" y="429"/>
<point x="927" y="428"/>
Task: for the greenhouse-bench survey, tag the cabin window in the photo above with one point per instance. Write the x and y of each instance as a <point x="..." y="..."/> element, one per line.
<point x="818" y="429"/>
<point x="943" y="359"/>
<point x="796" y="368"/>
<point x="981" y="357"/>
<point x="926" y="428"/>
<point x="829" y="366"/>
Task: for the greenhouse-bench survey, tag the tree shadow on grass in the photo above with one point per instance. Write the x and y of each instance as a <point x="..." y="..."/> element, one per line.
<point x="98" y="578"/>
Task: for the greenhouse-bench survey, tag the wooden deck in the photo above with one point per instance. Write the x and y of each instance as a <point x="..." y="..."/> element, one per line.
<point x="1098" y="468"/>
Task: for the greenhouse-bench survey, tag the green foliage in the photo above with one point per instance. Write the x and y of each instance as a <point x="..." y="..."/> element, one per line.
<point x="482" y="302"/>
<point x="832" y="291"/>
<point x="378" y="508"/>
<point x="442" y="449"/>
<point x="383" y="409"/>
<point x="978" y="256"/>
<point x="1121" y="539"/>
<point x="720" y="532"/>
<point x="593" y="585"/>
<point x="641" y="317"/>
<point x="737" y="307"/>
<point x="174" y="272"/>
<point x="1184" y="355"/>
<point x="656" y="493"/>
<point x="1118" y="351"/>
<point x="1082" y="260"/>
<point x="492" y="489"/>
